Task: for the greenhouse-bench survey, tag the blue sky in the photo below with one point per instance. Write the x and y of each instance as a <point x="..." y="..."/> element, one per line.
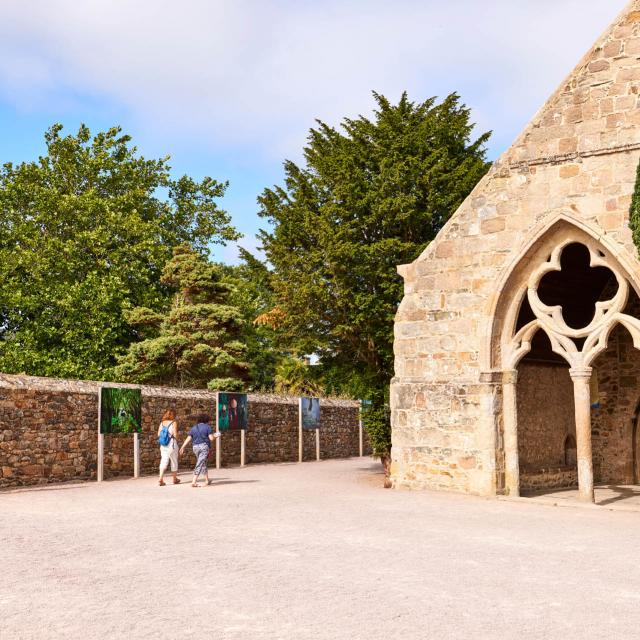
<point x="230" y="88"/>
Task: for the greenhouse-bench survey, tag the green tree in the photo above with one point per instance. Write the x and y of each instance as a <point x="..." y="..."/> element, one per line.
<point x="84" y="233"/>
<point x="370" y="197"/>
<point x="296" y="377"/>
<point x="252" y="293"/>
<point x="197" y="342"/>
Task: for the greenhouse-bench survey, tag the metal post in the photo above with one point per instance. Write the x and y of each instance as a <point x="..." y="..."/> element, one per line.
<point x="100" y="472"/>
<point x="136" y="455"/>
<point x="317" y="444"/>
<point x="100" y="468"/>
<point x="360" y="434"/>
<point x="299" y="429"/>
<point x="218" y="444"/>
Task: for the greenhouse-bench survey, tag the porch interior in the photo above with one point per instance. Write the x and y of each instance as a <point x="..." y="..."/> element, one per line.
<point x="545" y="396"/>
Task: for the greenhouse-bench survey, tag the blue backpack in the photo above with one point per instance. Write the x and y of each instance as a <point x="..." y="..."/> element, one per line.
<point x="165" y="436"/>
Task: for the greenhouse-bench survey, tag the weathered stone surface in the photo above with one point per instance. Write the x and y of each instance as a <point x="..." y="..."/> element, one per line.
<point x="48" y="430"/>
<point x="545" y="415"/>
<point x="574" y="166"/>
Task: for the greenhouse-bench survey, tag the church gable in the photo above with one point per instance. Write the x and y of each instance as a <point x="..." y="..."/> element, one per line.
<point x="596" y="107"/>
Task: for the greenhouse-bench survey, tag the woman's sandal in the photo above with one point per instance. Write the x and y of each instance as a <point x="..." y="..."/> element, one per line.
<point x="162" y="483"/>
<point x="195" y="486"/>
<point x="176" y="481"/>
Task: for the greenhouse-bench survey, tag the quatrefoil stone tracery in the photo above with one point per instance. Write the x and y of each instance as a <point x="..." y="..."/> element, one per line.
<point x="550" y="319"/>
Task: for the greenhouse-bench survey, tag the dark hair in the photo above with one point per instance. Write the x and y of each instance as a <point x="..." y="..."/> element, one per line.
<point x="203" y="418"/>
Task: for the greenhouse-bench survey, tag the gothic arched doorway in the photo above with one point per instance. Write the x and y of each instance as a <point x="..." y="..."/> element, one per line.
<point x="561" y="303"/>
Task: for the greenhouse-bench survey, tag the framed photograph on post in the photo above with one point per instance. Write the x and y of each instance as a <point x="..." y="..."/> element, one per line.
<point x="310" y="413"/>
<point x="120" y="410"/>
<point x="232" y="411"/>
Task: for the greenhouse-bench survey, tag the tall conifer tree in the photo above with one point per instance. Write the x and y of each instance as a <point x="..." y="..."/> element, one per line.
<point x="197" y="342"/>
<point x="369" y="197"/>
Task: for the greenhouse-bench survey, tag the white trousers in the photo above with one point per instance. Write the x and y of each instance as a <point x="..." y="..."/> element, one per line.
<point x="169" y="454"/>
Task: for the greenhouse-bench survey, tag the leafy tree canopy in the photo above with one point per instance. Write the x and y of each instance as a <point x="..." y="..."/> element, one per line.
<point x="296" y="377"/>
<point x="84" y="234"/>
<point x="369" y="197"/>
<point x="195" y="343"/>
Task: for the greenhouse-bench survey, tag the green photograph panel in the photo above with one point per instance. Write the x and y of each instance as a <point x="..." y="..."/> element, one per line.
<point x="310" y="413"/>
<point x="232" y="411"/>
<point x="120" y="410"/>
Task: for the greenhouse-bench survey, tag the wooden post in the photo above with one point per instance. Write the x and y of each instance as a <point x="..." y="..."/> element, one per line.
<point x="100" y="469"/>
<point x="360" y="435"/>
<point x="299" y="429"/>
<point x="317" y="444"/>
<point x="218" y="444"/>
<point x="136" y="455"/>
<point x="242" y="444"/>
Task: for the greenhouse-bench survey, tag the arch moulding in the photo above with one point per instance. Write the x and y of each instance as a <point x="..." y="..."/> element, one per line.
<point x="502" y="348"/>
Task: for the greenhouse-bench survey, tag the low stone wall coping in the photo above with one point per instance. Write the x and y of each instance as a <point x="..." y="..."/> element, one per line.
<point x="90" y="387"/>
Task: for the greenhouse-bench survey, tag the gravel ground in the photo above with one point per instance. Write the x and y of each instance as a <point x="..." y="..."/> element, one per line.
<point x="309" y="551"/>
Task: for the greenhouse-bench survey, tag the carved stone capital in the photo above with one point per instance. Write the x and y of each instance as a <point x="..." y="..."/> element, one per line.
<point x="581" y="374"/>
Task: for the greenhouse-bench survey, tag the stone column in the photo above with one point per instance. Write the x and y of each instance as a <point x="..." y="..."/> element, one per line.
<point x="582" y="398"/>
<point x="510" y="428"/>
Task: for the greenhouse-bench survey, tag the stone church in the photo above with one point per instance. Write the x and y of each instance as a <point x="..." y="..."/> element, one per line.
<point x="516" y="344"/>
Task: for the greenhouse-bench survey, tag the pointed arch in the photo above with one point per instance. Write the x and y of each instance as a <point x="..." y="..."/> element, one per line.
<point x="511" y="289"/>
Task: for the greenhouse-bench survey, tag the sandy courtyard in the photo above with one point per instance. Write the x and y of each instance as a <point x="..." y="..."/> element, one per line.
<point x="309" y="551"/>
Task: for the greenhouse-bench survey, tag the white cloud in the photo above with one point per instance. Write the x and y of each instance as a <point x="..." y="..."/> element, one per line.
<point x="250" y="77"/>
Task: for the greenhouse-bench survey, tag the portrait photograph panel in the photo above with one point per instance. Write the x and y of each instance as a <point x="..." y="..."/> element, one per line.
<point x="310" y="413"/>
<point x="232" y="411"/>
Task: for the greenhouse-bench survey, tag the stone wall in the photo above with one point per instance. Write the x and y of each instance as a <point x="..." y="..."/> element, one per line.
<point x="618" y="371"/>
<point x="546" y="415"/>
<point x="549" y="478"/>
<point x="48" y="430"/>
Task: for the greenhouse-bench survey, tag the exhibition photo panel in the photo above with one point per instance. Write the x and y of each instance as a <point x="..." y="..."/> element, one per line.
<point x="233" y="411"/>
<point x="310" y="413"/>
<point x="120" y="410"/>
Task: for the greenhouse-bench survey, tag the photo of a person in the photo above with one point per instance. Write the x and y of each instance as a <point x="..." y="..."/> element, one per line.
<point x="233" y="414"/>
<point x="223" y="417"/>
<point x="232" y="411"/>
<point x="310" y="413"/>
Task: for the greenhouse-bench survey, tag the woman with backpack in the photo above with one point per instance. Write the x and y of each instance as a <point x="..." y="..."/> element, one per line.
<point x="202" y="436"/>
<point x="168" y="441"/>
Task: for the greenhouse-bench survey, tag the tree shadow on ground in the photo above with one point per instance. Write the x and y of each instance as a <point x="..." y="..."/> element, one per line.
<point x="48" y="487"/>
<point x="374" y="467"/>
